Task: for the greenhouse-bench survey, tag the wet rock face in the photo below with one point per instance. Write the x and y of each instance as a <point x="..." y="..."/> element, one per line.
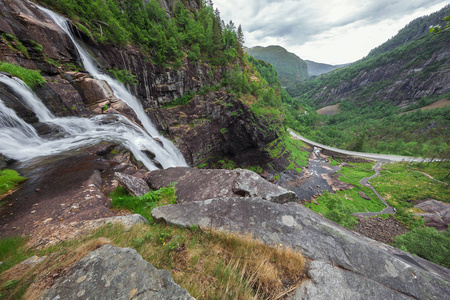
<point x="197" y="185"/>
<point x="116" y="273"/>
<point x="28" y="24"/>
<point x="371" y="269"/>
<point x="217" y="126"/>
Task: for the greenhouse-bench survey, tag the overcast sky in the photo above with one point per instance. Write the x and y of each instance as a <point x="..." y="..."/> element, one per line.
<point x="326" y="31"/>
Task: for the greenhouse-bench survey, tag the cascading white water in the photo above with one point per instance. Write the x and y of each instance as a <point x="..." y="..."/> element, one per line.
<point x="119" y="90"/>
<point x="20" y="141"/>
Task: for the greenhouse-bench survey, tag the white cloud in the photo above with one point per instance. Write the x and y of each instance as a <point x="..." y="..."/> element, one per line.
<point x="329" y="31"/>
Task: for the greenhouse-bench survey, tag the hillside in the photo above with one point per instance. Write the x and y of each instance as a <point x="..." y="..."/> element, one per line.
<point x="316" y="69"/>
<point x="373" y="92"/>
<point x="145" y="155"/>
<point x="290" y="67"/>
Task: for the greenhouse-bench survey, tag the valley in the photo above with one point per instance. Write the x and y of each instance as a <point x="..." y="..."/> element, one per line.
<point x="145" y="153"/>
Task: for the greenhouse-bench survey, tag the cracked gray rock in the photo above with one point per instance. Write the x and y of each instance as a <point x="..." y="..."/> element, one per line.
<point x="203" y="184"/>
<point x="116" y="273"/>
<point x="293" y="225"/>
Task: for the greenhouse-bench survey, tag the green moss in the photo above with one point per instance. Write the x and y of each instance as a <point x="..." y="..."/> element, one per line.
<point x="31" y="77"/>
<point x="9" y="179"/>
<point x="14" y="43"/>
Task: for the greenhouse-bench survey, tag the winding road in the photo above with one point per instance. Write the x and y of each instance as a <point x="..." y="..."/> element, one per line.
<point x="373" y="156"/>
<point x="380" y="158"/>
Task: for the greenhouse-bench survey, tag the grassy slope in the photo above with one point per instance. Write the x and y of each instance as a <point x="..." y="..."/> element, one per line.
<point x="210" y="265"/>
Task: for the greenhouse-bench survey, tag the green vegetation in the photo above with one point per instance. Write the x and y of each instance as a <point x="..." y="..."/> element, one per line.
<point x="414" y="30"/>
<point x="295" y="151"/>
<point x="403" y="184"/>
<point x="378" y="128"/>
<point x="31" y="77"/>
<point x="371" y="125"/>
<point x="9" y="179"/>
<point x="208" y="264"/>
<point x="340" y="205"/>
<point x="427" y="243"/>
<point x="196" y="34"/>
<point x="183" y="100"/>
<point x="439" y="29"/>
<point x="14" y="43"/>
<point x="290" y="67"/>
<point x="143" y="205"/>
<point x="124" y="76"/>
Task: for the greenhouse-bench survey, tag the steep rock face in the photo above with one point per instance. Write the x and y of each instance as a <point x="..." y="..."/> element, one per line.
<point x="217" y="126"/>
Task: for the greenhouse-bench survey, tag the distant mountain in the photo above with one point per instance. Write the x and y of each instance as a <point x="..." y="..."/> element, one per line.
<point x="411" y="65"/>
<point x="291" y="68"/>
<point x="316" y="69"/>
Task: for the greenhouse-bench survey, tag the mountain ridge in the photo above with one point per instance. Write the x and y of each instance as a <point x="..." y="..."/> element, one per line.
<point x="289" y="66"/>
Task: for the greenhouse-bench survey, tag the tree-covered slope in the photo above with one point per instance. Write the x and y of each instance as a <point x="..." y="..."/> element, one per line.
<point x="290" y="67"/>
<point x="374" y="92"/>
<point x="402" y="75"/>
<point x="416" y="29"/>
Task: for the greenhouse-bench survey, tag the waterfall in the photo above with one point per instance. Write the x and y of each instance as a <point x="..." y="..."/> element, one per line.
<point x="119" y="89"/>
<point x="20" y="141"/>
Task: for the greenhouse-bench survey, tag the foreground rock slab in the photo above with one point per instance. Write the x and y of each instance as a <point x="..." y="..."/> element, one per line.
<point x="378" y="265"/>
<point x="116" y="273"/>
<point x="200" y="184"/>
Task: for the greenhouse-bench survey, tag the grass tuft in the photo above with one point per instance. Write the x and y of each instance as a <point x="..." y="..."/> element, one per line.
<point x="31" y="77"/>
<point x="9" y="179"/>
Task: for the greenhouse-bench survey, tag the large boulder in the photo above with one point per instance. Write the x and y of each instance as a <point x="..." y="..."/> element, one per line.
<point x="196" y="185"/>
<point x="116" y="273"/>
<point x="293" y="225"/>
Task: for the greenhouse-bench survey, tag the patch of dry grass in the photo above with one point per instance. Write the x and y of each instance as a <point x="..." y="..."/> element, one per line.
<point x="209" y="264"/>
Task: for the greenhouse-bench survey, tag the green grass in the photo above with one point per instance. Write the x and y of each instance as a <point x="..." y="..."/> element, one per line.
<point x="340" y="206"/>
<point x="208" y="264"/>
<point x="9" y="179"/>
<point x="427" y="243"/>
<point x="31" y="77"/>
<point x="143" y="205"/>
<point x="403" y="186"/>
<point x="295" y="151"/>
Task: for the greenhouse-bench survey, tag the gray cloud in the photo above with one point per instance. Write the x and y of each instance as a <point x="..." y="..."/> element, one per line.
<point x="297" y="22"/>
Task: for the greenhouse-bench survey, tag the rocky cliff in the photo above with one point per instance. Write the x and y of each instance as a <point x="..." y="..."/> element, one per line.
<point x="212" y="127"/>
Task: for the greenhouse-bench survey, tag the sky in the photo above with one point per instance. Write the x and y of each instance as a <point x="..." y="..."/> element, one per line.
<point x="326" y="31"/>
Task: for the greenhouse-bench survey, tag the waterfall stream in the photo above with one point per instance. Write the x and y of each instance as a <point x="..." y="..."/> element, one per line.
<point x="20" y="141"/>
<point x="119" y="89"/>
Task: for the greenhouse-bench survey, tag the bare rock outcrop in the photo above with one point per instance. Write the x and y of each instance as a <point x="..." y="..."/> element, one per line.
<point x="367" y="269"/>
<point x="116" y="273"/>
<point x="199" y="184"/>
